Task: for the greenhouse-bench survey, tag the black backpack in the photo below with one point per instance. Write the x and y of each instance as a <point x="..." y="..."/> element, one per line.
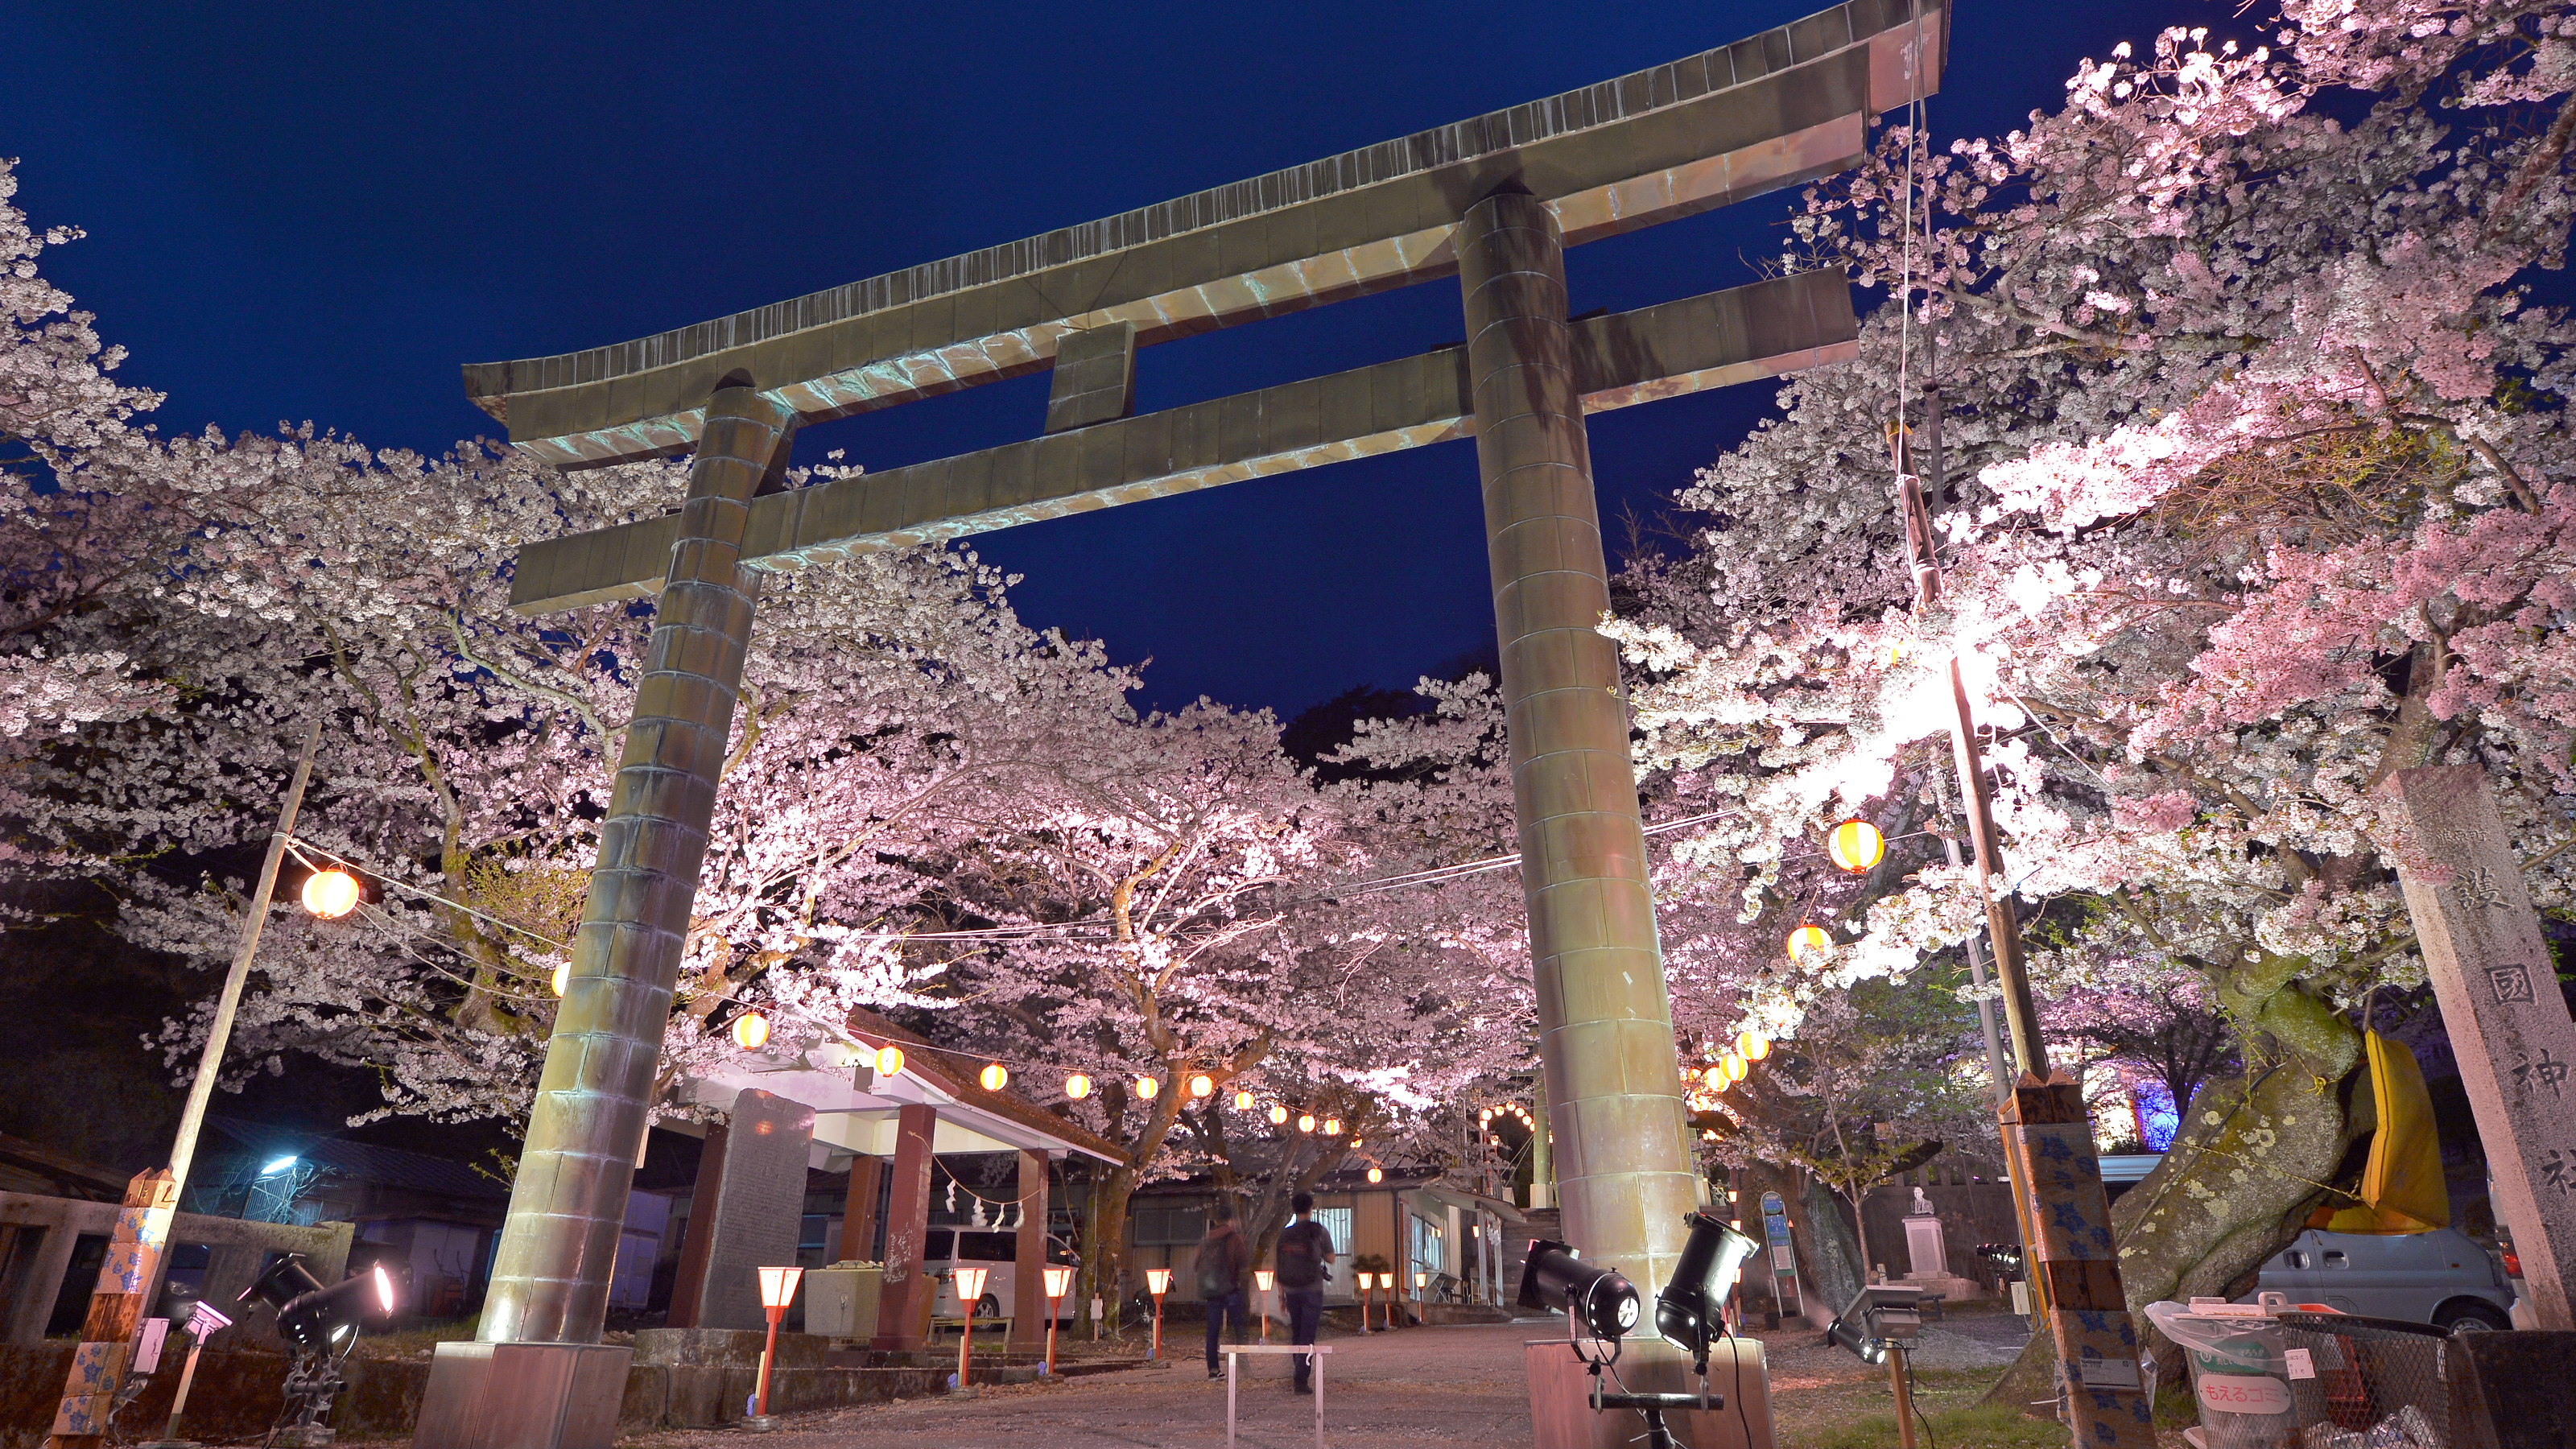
<point x="1301" y="1255"/>
<point x="1216" y="1264"/>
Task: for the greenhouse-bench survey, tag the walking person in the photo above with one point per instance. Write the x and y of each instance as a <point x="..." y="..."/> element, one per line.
<point x="1224" y="1258"/>
<point x="1305" y="1261"/>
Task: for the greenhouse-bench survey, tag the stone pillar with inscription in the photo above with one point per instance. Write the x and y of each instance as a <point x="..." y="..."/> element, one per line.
<point x="758" y="1207"/>
<point x="2507" y="1019"/>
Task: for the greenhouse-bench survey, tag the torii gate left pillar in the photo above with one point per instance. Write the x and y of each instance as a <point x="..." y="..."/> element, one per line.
<point x="537" y="1376"/>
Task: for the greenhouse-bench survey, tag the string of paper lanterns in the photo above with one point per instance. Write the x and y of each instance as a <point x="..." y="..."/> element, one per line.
<point x="751" y="1033"/>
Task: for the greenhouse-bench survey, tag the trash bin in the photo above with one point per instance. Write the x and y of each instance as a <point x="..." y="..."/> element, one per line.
<point x="2239" y="1376"/>
<point x="2370" y="1383"/>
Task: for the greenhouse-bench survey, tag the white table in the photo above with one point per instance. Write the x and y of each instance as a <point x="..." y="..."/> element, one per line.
<point x="1231" y="1362"/>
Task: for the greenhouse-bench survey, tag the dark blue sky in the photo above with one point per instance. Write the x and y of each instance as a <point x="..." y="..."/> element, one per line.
<point x="317" y="212"/>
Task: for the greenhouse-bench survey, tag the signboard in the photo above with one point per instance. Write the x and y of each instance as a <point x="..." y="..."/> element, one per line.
<point x="1784" y="1260"/>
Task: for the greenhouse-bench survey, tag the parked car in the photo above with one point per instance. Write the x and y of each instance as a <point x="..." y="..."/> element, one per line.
<point x="944" y="1250"/>
<point x="2444" y="1277"/>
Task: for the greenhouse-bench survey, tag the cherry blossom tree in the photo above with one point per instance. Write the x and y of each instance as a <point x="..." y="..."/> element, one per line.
<point x="2267" y="442"/>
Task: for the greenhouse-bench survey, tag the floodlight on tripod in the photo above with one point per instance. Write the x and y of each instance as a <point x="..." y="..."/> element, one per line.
<point x="1691" y="1311"/>
<point x="1596" y="1299"/>
<point x="1878" y="1314"/>
<point x="311" y="1316"/>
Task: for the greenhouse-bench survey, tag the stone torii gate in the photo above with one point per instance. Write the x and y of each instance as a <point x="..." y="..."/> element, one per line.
<point x="1493" y="200"/>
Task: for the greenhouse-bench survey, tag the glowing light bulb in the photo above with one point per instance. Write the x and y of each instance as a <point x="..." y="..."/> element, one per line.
<point x="330" y="894"/>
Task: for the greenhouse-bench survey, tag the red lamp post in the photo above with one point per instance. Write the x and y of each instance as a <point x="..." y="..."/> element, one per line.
<point x="1262" y="1278"/>
<point x="777" y="1290"/>
<point x="1158" y="1281"/>
<point x="970" y="1287"/>
<point x="1059" y="1281"/>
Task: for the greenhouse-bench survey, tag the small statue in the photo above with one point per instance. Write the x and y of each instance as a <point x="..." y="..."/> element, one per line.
<point x="1922" y="1205"/>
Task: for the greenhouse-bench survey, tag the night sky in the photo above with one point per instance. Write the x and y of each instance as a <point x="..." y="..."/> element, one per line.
<point x="308" y="212"/>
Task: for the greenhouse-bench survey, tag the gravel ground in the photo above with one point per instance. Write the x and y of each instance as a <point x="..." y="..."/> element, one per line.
<point x="1420" y="1386"/>
<point x="1417" y="1387"/>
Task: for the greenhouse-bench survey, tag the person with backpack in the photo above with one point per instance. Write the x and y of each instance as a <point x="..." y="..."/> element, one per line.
<point x="1224" y="1257"/>
<point x="1305" y="1261"/>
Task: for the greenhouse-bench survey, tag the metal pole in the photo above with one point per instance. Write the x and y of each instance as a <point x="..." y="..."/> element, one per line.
<point x="768" y="1355"/>
<point x="1614" y="1090"/>
<point x="179" y="1403"/>
<point x="1904" y="1396"/>
<point x="192" y="1117"/>
<point x="1542" y="1158"/>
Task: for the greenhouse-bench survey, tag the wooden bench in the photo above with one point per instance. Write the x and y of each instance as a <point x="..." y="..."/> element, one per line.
<point x="1232" y="1349"/>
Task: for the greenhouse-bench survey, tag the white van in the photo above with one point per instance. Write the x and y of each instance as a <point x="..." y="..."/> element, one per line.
<point x="2444" y="1277"/>
<point x="945" y="1250"/>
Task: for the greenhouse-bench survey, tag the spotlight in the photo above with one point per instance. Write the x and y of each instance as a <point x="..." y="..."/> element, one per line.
<point x="1597" y="1298"/>
<point x="311" y="1316"/>
<point x="1878" y="1314"/>
<point x="1691" y="1309"/>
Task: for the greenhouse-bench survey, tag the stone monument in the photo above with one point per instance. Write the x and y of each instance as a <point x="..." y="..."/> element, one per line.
<point x="2507" y="1019"/>
<point x="1927" y="1252"/>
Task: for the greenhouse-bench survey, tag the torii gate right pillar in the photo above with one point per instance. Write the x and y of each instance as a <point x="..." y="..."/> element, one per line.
<point x="1605" y="1022"/>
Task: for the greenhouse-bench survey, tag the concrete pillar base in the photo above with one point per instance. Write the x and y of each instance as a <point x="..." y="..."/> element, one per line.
<point x="522" y="1396"/>
<point x="1562" y="1416"/>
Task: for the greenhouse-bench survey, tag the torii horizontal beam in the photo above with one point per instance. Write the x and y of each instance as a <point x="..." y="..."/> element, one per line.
<point x="1714" y="340"/>
<point x="1772" y="110"/>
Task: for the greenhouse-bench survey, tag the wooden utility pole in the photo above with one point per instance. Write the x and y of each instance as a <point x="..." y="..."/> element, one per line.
<point x="2065" y="1215"/>
<point x="143" y="1223"/>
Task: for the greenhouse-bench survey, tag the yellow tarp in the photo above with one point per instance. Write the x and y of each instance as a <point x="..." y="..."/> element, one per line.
<point x="2401" y="1186"/>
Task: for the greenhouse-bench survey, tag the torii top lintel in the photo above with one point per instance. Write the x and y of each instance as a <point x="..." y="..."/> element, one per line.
<point x="1773" y="110"/>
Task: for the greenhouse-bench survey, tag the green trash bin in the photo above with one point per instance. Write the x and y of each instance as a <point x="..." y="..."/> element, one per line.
<point x="2239" y="1376"/>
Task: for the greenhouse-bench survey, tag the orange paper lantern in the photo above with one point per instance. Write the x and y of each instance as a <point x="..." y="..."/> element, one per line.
<point x="1856" y="846"/>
